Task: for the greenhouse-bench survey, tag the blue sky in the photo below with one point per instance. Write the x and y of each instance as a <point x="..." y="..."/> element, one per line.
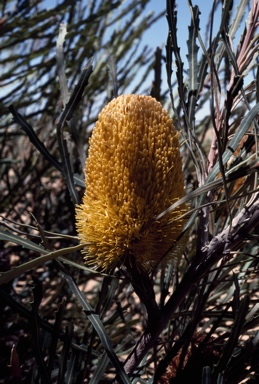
<point x="156" y="36"/>
<point x="159" y="32"/>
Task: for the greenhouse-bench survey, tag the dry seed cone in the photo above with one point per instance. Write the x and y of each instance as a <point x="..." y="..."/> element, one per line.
<point x="133" y="173"/>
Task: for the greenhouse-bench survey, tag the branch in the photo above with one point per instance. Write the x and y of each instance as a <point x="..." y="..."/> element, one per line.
<point x="220" y="246"/>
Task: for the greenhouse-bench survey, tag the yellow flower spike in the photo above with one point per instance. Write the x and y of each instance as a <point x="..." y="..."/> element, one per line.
<point x="133" y="173"/>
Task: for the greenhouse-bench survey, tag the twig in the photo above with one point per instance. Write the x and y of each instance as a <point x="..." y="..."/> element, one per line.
<point x="220" y="246"/>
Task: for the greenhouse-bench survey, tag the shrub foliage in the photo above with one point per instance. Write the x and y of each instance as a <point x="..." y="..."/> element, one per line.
<point x="63" y="322"/>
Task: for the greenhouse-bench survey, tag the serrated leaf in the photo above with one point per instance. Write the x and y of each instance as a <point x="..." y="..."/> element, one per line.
<point x="27" y="128"/>
<point x="225" y="16"/>
<point x="39" y="145"/>
<point x="244" y="126"/>
<point x="202" y="73"/>
<point x="238" y="16"/>
<point x="240" y="12"/>
<point x="66" y="115"/>
<point x="193" y="50"/>
<point x="193" y="66"/>
<point x="77" y="93"/>
<point x="174" y="47"/>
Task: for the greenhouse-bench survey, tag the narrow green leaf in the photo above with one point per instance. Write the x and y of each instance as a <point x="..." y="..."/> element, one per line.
<point x="202" y="72"/>
<point x="98" y="326"/>
<point x="113" y="75"/>
<point x="5" y="277"/>
<point x="257" y="85"/>
<point x="65" y="353"/>
<point x="206" y="375"/>
<point x="60" y="62"/>
<point x="100" y="369"/>
<point x="67" y="169"/>
<point x="174" y="48"/>
<point x="229" y="176"/>
<point x="193" y="49"/>
<point x="66" y="115"/>
<point x="77" y="93"/>
<point x="27" y="128"/>
<point x="244" y="126"/>
<point x="225" y="16"/>
<point x="193" y="66"/>
<point x="35" y="327"/>
<point x="234" y="335"/>
<point x="224" y="26"/>
<point x="72" y="369"/>
<point x="238" y="16"/>
<point x="25" y="243"/>
<point x="56" y="331"/>
<point x="231" y="55"/>
<point x="78" y="180"/>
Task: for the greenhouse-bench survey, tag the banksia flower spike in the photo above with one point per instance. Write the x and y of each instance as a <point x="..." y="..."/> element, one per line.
<point x="133" y="173"/>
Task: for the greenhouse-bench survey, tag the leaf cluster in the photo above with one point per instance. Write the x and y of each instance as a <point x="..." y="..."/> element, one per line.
<point x="196" y="322"/>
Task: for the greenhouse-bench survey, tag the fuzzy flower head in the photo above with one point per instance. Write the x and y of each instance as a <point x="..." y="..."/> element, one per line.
<point x="133" y="173"/>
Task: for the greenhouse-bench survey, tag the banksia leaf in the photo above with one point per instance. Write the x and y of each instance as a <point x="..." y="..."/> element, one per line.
<point x="193" y="66"/>
<point x="193" y="51"/>
<point x="133" y="173"/>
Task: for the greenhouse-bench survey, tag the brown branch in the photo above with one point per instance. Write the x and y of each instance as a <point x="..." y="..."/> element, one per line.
<point x="219" y="247"/>
<point x="244" y="56"/>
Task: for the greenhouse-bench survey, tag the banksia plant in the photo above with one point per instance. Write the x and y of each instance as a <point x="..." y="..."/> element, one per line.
<point x="148" y="318"/>
<point x="133" y="173"/>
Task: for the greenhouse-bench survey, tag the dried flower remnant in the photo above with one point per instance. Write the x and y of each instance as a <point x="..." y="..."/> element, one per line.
<point x="133" y="173"/>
